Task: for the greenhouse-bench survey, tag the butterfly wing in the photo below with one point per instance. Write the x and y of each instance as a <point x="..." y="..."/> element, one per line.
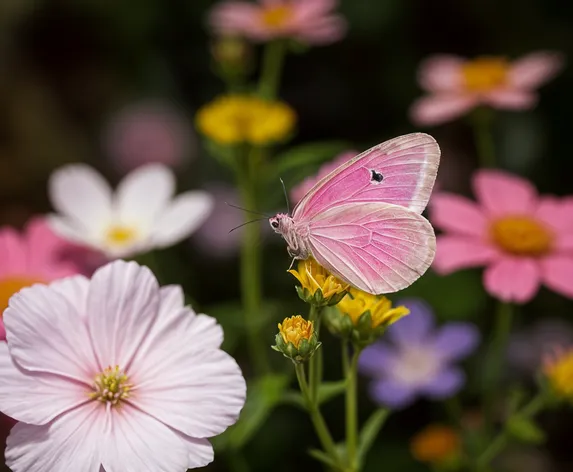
<point x="376" y="247"/>
<point x="401" y="171"/>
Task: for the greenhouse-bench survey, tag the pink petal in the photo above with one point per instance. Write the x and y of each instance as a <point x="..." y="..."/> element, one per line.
<point x="535" y="69"/>
<point x="557" y="274"/>
<point x="458" y="252"/>
<point x="511" y="99"/>
<point x="451" y="212"/>
<point x="72" y="442"/>
<point x="313" y="8"/>
<point x="513" y="279"/>
<point x="325" y="30"/>
<point x="200" y="452"/>
<point x="440" y="108"/>
<point x="46" y="333"/>
<point x="504" y="194"/>
<point x="441" y="73"/>
<point x="36" y="398"/>
<point x="236" y="18"/>
<point x="12" y="253"/>
<point x="551" y="210"/>
<point x="123" y="304"/>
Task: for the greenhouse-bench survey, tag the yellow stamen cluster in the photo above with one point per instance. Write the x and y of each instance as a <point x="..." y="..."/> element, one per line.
<point x="436" y="444"/>
<point x="485" y="74"/>
<point x="235" y="119"/>
<point x="312" y="276"/>
<point x="276" y="16"/>
<point x="295" y="329"/>
<point x="559" y="372"/>
<point x="11" y="285"/>
<point x="120" y="235"/>
<point x="357" y="302"/>
<point x="111" y="386"/>
<point x="522" y="236"/>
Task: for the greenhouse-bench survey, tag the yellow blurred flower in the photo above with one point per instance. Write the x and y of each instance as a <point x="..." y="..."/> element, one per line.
<point x="357" y="302"/>
<point x="318" y="285"/>
<point x="234" y="119"/>
<point x="296" y="339"/>
<point x="558" y="370"/>
<point x="436" y="444"/>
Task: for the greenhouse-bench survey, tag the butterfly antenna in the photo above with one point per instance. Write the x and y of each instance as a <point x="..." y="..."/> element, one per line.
<point x="248" y="222"/>
<point x="286" y="196"/>
<point x="248" y="211"/>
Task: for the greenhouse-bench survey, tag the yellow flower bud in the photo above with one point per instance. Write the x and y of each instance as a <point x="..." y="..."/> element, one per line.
<point x="357" y="302"/>
<point x="296" y="339"/>
<point x="318" y="286"/>
<point x="558" y="370"/>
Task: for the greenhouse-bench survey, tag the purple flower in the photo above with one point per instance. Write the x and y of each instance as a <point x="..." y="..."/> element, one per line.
<point x="418" y="359"/>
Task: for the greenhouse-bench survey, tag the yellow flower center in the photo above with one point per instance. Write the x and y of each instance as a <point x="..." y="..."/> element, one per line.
<point x="357" y="302"/>
<point x="295" y="329"/>
<point x="522" y="236"/>
<point x="121" y="235"/>
<point x="485" y="73"/>
<point x="10" y="286"/>
<point x="312" y="276"/>
<point x="559" y="372"/>
<point x="436" y="444"/>
<point x="111" y="386"/>
<point x="276" y="16"/>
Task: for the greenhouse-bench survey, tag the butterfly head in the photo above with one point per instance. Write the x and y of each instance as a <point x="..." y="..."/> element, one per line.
<point x="280" y="223"/>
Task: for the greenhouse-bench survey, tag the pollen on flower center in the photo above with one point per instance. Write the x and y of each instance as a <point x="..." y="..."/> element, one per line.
<point x="276" y="16"/>
<point x="9" y="286"/>
<point x="111" y="386"/>
<point x="120" y="235"/>
<point x="485" y="73"/>
<point x="522" y="236"/>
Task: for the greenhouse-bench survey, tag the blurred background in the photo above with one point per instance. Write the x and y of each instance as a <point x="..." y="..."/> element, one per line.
<point x="117" y="83"/>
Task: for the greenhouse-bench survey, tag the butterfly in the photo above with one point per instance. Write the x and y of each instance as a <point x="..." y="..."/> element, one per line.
<point x="363" y="222"/>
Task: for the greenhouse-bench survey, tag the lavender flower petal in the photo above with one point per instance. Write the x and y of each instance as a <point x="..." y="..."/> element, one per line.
<point x="445" y="384"/>
<point x="456" y="340"/>
<point x="392" y="393"/>
<point x="377" y="359"/>
<point x="414" y="327"/>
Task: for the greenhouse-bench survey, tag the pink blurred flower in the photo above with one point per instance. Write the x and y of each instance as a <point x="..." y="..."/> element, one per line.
<point x="303" y="187"/>
<point x="523" y="239"/>
<point x="308" y="21"/>
<point x="148" y="132"/>
<point x="457" y="85"/>
<point x="34" y="256"/>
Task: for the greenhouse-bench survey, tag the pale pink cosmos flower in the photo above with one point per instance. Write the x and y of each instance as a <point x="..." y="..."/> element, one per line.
<point x="523" y="239"/>
<point x="308" y="21"/>
<point x="457" y="85"/>
<point x="303" y="187"/>
<point x="113" y="374"/>
<point x="36" y="255"/>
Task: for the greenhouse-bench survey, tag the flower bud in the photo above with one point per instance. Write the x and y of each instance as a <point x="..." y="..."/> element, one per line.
<point x="318" y="286"/>
<point x="296" y="339"/>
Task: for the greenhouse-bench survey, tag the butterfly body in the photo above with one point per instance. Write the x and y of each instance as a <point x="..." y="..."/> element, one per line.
<point x="362" y="222"/>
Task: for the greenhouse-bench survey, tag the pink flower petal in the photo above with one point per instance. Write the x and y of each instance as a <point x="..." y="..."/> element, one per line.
<point x="458" y="252"/>
<point x="38" y="323"/>
<point x="504" y="194"/>
<point x="535" y="69"/>
<point x="457" y="214"/>
<point x="557" y="274"/>
<point x="236" y="18"/>
<point x="13" y="251"/>
<point x="440" y="108"/>
<point x="441" y="73"/>
<point x="36" y="398"/>
<point x="72" y="442"/>
<point x="325" y="30"/>
<point x="313" y="8"/>
<point x="511" y="99"/>
<point x="200" y="452"/>
<point x="123" y="304"/>
<point x="513" y="279"/>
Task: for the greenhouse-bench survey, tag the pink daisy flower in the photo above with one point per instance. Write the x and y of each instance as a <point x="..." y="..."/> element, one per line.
<point x="307" y="21"/>
<point x="523" y="239"/>
<point x="113" y="374"/>
<point x="458" y="85"/>
<point x="34" y="256"/>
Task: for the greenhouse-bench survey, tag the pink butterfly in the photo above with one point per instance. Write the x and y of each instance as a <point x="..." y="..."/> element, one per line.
<point x="362" y="221"/>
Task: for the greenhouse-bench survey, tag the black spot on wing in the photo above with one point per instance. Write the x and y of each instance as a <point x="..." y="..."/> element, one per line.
<point x="376" y="176"/>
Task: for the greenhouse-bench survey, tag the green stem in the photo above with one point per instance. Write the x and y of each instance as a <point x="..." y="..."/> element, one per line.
<point x="482" y="121"/>
<point x="495" y="359"/>
<point x="315" y="363"/>
<point x="350" y="369"/>
<point x="316" y="417"/>
<point x="273" y="60"/>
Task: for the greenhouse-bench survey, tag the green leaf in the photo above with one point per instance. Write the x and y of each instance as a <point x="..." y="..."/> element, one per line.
<point x="308" y="154"/>
<point x="525" y="430"/>
<point x="323" y="457"/>
<point x="263" y="395"/>
<point x="370" y="431"/>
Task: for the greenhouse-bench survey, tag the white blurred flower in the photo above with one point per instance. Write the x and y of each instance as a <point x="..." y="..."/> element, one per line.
<point x="115" y="374"/>
<point x="139" y="216"/>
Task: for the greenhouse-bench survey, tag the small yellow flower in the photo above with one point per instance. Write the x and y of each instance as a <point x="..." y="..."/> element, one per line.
<point x="558" y="370"/>
<point x="436" y="445"/>
<point x="318" y="286"/>
<point x="296" y="339"/>
<point x="357" y="302"/>
<point x="235" y="119"/>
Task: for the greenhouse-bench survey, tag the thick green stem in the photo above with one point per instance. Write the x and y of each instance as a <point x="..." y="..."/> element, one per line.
<point x="315" y="363"/>
<point x="482" y="121"/>
<point x="350" y="368"/>
<point x="273" y="60"/>
<point x="316" y="417"/>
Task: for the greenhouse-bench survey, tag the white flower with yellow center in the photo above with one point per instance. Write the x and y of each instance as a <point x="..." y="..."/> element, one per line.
<point x="139" y="216"/>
